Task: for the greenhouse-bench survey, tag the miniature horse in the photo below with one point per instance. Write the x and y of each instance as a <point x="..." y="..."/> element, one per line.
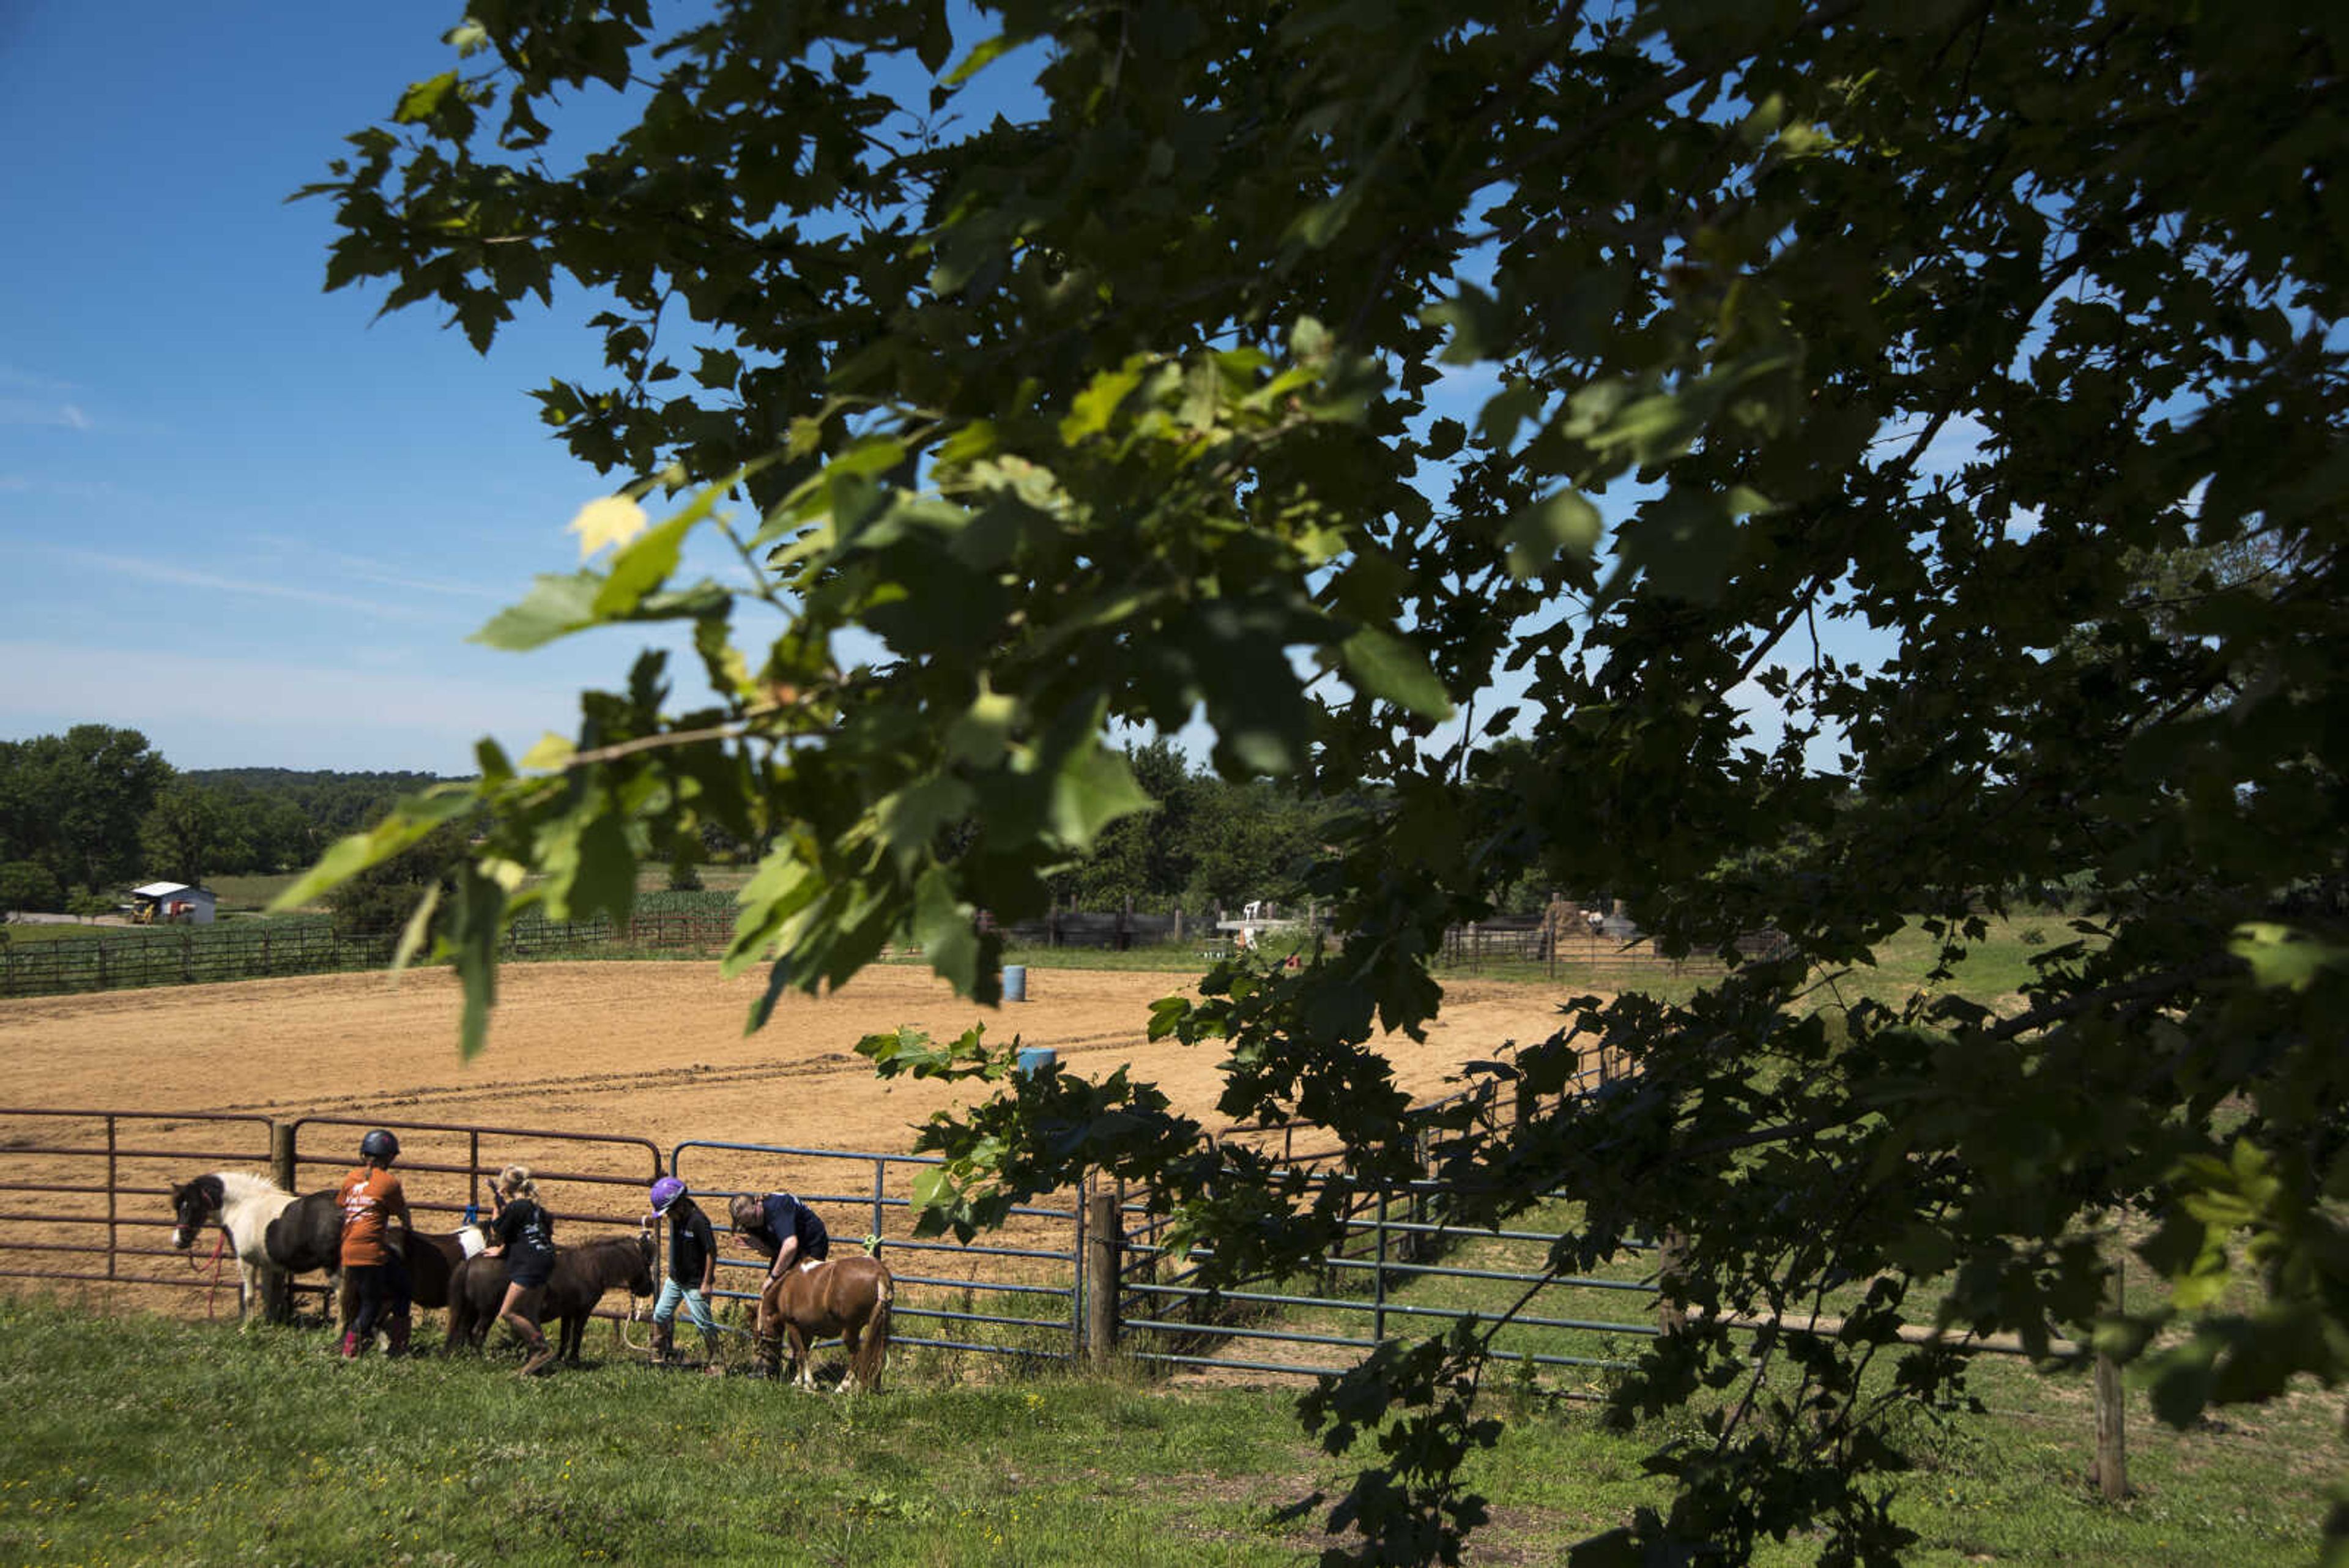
<point x="581" y="1274"/>
<point x="432" y="1264"/>
<point x="432" y="1261"/>
<point x="848" y="1297"/>
<point x="268" y="1226"/>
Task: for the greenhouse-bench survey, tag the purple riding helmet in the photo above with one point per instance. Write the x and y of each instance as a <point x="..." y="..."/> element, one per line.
<point x="666" y="1192"/>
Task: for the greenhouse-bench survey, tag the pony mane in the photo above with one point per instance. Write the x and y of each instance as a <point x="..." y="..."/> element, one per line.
<point x="242" y="1185"/>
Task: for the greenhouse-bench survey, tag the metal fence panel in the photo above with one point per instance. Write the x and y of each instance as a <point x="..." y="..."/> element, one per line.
<point x="87" y="1194"/>
<point x="1036" y="1252"/>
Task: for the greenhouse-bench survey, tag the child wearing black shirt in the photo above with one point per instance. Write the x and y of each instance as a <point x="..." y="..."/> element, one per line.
<point x="692" y="1271"/>
<point x="525" y="1239"/>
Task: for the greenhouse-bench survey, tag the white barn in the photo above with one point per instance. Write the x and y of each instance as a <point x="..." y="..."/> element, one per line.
<point x="160" y="901"/>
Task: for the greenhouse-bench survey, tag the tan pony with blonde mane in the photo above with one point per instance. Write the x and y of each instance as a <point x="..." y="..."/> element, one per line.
<point x="845" y="1296"/>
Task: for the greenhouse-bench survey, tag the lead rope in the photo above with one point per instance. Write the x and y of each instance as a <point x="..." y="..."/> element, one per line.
<point x="220" y="1247"/>
<point x="636" y="1315"/>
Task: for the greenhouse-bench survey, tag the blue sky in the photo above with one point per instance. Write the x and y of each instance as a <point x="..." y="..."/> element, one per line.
<point x="235" y="512"/>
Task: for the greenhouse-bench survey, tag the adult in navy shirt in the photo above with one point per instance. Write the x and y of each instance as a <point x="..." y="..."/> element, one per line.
<point x="782" y="1228"/>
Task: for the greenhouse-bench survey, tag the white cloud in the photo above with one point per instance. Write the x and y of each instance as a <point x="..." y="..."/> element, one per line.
<point x="70" y="489"/>
<point x="214" y="581"/>
<point x="388" y="574"/>
<point x="32" y="382"/>
<point x="91" y="490"/>
<point x="39" y="411"/>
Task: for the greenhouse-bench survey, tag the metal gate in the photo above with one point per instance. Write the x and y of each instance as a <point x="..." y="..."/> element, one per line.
<point x="1031" y="1263"/>
<point x="91" y="1190"/>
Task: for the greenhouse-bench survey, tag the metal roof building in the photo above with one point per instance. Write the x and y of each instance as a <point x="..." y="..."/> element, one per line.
<point x="160" y="901"/>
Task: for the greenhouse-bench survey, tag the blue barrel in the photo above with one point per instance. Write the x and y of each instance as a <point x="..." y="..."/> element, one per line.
<point x="1015" y="982"/>
<point x="1036" y="1058"/>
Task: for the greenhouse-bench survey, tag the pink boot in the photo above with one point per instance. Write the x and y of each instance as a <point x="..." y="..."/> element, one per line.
<point x="351" y="1345"/>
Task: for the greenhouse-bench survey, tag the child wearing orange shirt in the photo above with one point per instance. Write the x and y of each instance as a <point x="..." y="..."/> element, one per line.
<point x="370" y="1199"/>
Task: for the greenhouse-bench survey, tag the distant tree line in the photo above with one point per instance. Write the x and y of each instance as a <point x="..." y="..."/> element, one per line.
<point x="1205" y="841"/>
<point x="88" y="813"/>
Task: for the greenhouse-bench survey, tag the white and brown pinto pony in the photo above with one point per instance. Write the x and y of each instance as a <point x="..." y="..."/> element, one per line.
<point x="267" y="1226"/>
<point x="845" y="1296"/>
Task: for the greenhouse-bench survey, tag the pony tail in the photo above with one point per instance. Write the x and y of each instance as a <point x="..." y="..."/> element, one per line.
<point x="514" y="1182"/>
<point x="873" y="1353"/>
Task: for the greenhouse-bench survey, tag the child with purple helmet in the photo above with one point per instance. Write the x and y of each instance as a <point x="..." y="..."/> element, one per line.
<point x="692" y="1272"/>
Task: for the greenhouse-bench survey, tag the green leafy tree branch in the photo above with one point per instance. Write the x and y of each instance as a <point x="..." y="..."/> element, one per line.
<point x="1115" y="375"/>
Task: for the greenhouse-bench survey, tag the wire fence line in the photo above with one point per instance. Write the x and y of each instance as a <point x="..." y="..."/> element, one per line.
<point x="1515" y="943"/>
<point x="196" y="955"/>
<point x="199" y="955"/>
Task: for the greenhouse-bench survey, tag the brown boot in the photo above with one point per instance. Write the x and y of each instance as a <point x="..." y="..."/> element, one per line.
<point x="663" y="1344"/>
<point x="542" y="1356"/>
<point x="396" y="1330"/>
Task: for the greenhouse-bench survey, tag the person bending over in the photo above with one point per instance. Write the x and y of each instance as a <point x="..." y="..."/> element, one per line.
<point x="785" y="1231"/>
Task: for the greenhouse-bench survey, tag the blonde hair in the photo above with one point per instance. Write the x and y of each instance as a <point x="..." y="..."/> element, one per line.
<point x="514" y="1182"/>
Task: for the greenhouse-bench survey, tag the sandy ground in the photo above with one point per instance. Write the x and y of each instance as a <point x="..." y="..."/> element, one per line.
<point x="656" y="1050"/>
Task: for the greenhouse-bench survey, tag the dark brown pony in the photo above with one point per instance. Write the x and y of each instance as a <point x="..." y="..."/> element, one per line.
<point x="845" y="1296"/>
<point x="581" y="1274"/>
<point x="432" y="1261"/>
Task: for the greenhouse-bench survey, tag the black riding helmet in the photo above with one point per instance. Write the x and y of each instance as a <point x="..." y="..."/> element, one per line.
<point x="379" y="1145"/>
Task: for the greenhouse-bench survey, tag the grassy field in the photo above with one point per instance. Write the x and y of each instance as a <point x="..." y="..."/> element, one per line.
<point x="143" y="1441"/>
<point x="2010" y="1486"/>
<point x="250" y="894"/>
<point x="254" y="892"/>
<point x="26" y="936"/>
<point x="1992" y="970"/>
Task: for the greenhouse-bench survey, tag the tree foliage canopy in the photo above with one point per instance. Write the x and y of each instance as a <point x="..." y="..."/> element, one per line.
<point x="73" y="803"/>
<point x="1375" y="381"/>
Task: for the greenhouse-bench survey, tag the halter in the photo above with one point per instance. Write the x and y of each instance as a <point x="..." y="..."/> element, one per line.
<point x="214" y="1192"/>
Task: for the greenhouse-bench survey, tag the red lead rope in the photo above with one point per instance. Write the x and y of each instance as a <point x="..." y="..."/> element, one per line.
<point x="212" y="1297"/>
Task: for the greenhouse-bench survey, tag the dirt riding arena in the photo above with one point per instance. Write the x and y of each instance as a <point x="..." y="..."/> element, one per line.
<point x="653" y="1051"/>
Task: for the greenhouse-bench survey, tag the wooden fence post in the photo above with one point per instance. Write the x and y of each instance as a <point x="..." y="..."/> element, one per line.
<point x="1102" y="1247"/>
<point x="277" y="1289"/>
<point x="1671" y="1312"/>
<point x="2110" y="1468"/>
<point x="1419" y="1246"/>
